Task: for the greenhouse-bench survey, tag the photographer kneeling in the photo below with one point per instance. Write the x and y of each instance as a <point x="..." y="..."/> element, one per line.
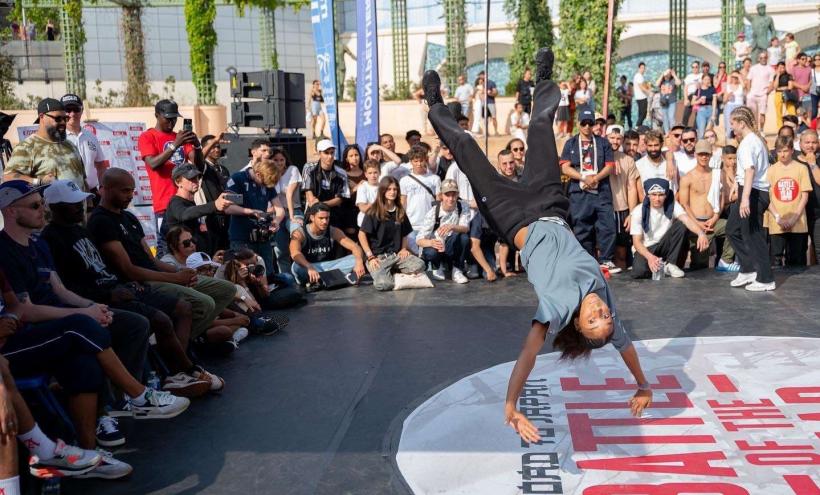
<point x="252" y="225"/>
<point x="312" y="248"/>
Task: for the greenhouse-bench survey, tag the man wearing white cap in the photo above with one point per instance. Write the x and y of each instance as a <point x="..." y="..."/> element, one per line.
<point x="326" y="182"/>
<point x="625" y="181"/>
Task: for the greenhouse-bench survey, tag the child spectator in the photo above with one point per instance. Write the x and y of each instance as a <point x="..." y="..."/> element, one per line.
<point x="419" y="190"/>
<point x="367" y="191"/>
<point x="786" y="216"/>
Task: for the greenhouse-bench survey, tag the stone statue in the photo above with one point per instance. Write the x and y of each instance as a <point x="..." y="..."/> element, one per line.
<point x="762" y="30"/>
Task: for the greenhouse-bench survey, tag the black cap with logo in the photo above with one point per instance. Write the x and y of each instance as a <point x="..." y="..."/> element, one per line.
<point x="167" y="109"/>
<point x="71" y="100"/>
<point x="48" y="105"/>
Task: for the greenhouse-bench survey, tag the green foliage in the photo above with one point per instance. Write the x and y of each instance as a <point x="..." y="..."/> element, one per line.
<point x="7" y="82"/>
<point x="74" y="10"/>
<point x="533" y="32"/>
<point x="199" y="24"/>
<point x="582" y="43"/>
<point x="350" y="88"/>
<point x="455" y="21"/>
<point x="38" y="15"/>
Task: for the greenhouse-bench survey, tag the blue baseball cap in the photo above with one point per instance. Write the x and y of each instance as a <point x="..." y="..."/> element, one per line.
<point x="12" y="190"/>
<point x="586" y="114"/>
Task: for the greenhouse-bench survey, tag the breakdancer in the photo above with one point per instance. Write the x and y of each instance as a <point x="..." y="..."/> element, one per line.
<point x="576" y="311"/>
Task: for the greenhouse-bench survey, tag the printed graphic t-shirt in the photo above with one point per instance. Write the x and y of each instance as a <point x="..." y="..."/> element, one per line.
<point x="787" y="182"/>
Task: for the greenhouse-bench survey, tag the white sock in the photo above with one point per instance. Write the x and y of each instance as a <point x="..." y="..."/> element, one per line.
<point x="10" y="486"/>
<point x="38" y="443"/>
<point x="140" y="399"/>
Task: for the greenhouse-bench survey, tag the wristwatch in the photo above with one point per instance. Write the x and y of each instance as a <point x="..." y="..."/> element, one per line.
<point x="644" y="386"/>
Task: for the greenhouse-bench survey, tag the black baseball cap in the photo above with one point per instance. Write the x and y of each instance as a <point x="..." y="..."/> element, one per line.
<point x="187" y="170"/>
<point x="167" y="109"/>
<point x="48" y="105"/>
<point x="71" y="100"/>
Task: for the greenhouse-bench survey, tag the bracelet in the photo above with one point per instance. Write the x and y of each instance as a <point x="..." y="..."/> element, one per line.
<point x="644" y="386"/>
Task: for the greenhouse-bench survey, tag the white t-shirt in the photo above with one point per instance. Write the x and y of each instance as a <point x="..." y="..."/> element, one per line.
<point x="691" y="83"/>
<point x="647" y="169"/>
<point x="464" y="93"/>
<point x="365" y="194"/>
<point x="419" y="201"/>
<point x="752" y="153"/>
<point x="775" y="54"/>
<point x="658" y="223"/>
<point x="742" y="50"/>
<point x="524" y="120"/>
<point x="401" y="171"/>
<point x="637" y="81"/>
<point x="446" y="218"/>
<point x="465" y="190"/>
<point x="684" y="162"/>
<point x="716" y="162"/>
<point x="291" y="176"/>
<point x="90" y="152"/>
<point x="386" y="168"/>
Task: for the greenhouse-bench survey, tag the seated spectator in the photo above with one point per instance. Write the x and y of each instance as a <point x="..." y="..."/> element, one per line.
<point x="271" y="297"/>
<point x="444" y="237"/>
<point x="119" y="236"/>
<point x="384" y="237"/>
<point x="507" y="166"/>
<point x="312" y="249"/>
<point x="702" y="197"/>
<point x="289" y="191"/>
<point x="685" y="159"/>
<point x="183" y="210"/>
<point x="653" y="165"/>
<point x="419" y="190"/>
<point x="465" y="190"/>
<point x="49" y="458"/>
<point x="388" y="159"/>
<point x="441" y="161"/>
<point x="255" y="222"/>
<point x="325" y="182"/>
<point x="659" y="232"/>
<point x="366" y="194"/>
<point x="785" y="218"/>
<point x="80" y="265"/>
<point x="482" y="247"/>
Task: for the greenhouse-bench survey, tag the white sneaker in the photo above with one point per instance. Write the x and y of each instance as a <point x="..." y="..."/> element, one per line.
<point x="743" y="279"/>
<point x="760" y="287"/>
<point x="673" y="271"/>
<point x="239" y="335"/>
<point x="109" y="468"/>
<point x="67" y="461"/>
<point x="185" y="385"/>
<point x="217" y="383"/>
<point x="459" y="277"/>
<point x="611" y="267"/>
<point x="159" y="405"/>
<point x="438" y="274"/>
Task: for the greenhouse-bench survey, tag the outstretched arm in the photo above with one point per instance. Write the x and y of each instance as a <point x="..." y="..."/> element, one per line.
<point x="643" y="397"/>
<point x="521" y="371"/>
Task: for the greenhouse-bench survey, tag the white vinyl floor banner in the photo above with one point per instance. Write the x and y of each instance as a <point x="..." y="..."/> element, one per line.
<point x="731" y="416"/>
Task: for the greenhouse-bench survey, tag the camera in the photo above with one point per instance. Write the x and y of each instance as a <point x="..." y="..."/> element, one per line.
<point x="260" y="229"/>
<point x="256" y="270"/>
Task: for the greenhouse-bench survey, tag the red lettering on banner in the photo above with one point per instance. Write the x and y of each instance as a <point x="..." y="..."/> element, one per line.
<point x="722" y="384"/>
<point x="784" y="459"/>
<point x="697" y="464"/>
<point x="677" y="400"/>
<point x="770" y="445"/>
<point x="751" y="414"/>
<point x="810" y="416"/>
<point x="585" y="440"/>
<point x="739" y="403"/>
<point x="802" y="484"/>
<point x="667" y="489"/>
<point x="732" y="426"/>
<point x="573" y="384"/>
<point x="796" y="395"/>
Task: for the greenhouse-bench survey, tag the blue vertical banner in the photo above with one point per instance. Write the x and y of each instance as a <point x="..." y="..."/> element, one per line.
<point x="367" y="74"/>
<point x="321" y="17"/>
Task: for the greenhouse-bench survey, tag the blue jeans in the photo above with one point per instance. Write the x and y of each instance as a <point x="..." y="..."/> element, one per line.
<point x="263" y="249"/>
<point x="593" y="221"/>
<point x="702" y="119"/>
<point x="281" y="246"/>
<point x="669" y="116"/>
<point x="455" y="252"/>
<point x="344" y="264"/>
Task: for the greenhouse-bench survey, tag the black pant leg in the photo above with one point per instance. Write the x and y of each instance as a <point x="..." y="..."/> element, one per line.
<point x="814" y="233"/>
<point x="641" y="111"/>
<point x="756" y="237"/>
<point x="734" y="232"/>
<point x="777" y="247"/>
<point x="796" y="246"/>
<point x="672" y="246"/>
<point x="542" y="156"/>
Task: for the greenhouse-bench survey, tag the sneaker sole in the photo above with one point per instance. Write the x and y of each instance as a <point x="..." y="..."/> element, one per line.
<point x="740" y="284"/>
<point x="48" y="472"/>
<point x="120" y="413"/>
<point x="97" y="475"/>
<point x="159" y="415"/>
<point x="111" y="443"/>
<point x="192" y="390"/>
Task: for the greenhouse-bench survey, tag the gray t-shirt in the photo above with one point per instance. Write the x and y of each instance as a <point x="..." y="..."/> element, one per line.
<point x="563" y="273"/>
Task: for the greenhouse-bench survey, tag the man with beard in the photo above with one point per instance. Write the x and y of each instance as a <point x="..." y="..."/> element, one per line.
<point x="46" y="156"/>
<point x="653" y="165"/>
<point x="685" y="158"/>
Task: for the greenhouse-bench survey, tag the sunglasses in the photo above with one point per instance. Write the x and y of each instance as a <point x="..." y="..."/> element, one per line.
<point x="688" y="140"/>
<point x="57" y="118"/>
<point x="188" y="243"/>
<point x="517" y="149"/>
<point x="74" y="110"/>
<point x="33" y="206"/>
<point x="677" y="136"/>
<point x="587" y="123"/>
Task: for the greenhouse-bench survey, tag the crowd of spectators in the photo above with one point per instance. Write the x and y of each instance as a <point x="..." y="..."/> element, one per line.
<point x="87" y="301"/>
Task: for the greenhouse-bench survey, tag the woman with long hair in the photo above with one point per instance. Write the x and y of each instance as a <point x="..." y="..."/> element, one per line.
<point x="352" y="161"/>
<point x="317" y="114"/>
<point x="668" y="84"/>
<point x="583" y="96"/>
<point x="576" y="310"/>
<point x="734" y="95"/>
<point x="287" y="189"/>
<point x="383" y="237"/>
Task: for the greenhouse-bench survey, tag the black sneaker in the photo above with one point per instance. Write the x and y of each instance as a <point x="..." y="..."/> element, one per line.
<point x="431" y="83"/>
<point x="544" y="61"/>
<point x="108" y="432"/>
<point x="269" y="324"/>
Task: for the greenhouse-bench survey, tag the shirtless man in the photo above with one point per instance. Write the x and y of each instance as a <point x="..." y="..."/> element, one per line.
<point x="702" y="197"/>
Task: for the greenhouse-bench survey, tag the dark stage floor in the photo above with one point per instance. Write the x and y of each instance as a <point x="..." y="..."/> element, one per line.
<point x="318" y="408"/>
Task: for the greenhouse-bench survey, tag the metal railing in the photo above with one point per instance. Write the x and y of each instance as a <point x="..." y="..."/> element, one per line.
<point x="36" y="60"/>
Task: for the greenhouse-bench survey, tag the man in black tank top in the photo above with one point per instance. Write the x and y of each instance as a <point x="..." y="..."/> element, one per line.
<point x="312" y="248"/>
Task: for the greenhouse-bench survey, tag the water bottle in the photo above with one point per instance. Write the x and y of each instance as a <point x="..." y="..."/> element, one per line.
<point x="50" y="486"/>
<point x="658" y="275"/>
<point x="153" y="381"/>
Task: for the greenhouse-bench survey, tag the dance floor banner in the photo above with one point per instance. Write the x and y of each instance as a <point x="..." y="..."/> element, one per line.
<point x="367" y="74"/>
<point x="321" y="16"/>
<point x="730" y="416"/>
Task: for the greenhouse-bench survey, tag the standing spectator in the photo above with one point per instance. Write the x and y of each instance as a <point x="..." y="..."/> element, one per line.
<point x="162" y="149"/>
<point x="464" y="94"/>
<point x="260" y="149"/>
<point x="326" y="182"/>
<point x="419" y="190"/>
<point x="562" y="115"/>
<point x="524" y="89"/>
<point x="744" y="71"/>
<point x="741" y="49"/>
<point x="583" y="97"/>
<point x="719" y="79"/>
<point x="86" y="142"/>
<point x="760" y="80"/>
<point x="641" y="90"/>
<point x="520" y="122"/>
<point x="786" y="215"/>
<point x="478" y="106"/>
<point x="50" y="31"/>
<point x="668" y="84"/>
<point x="384" y="237"/>
<point x="492" y="91"/>
<point x="288" y="190"/>
<point x="775" y="52"/>
<point x="815" y="85"/>
<point x="312" y="249"/>
<point x="367" y="192"/>
<point x="316" y="112"/>
<point x="790" y="50"/>
<point x="31" y="31"/>
<point x="588" y="161"/>
<point x="214" y="179"/>
<point x="624" y="92"/>
<point x="808" y="157"/>
<point x="15" y="31"/>
<point x="587" y="76"/>
<point x="745" y="225"/>
<point x="785" y="94"/>
<point x="46" y="155"/>
<point x="734" y="95"/>
<point x="625" y="183"/>
<point x="388" y="159"/>
<point x="444" y="238"/>
<point x="690" y="85"/>
<point x="252" y="225"/>
<point x="802" y="73"/>
<point x="654" y="165"/>
<point x="705" y="100"/>
<point x="685" y="158"/>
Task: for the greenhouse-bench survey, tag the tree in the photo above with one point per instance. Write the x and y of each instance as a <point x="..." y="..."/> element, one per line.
<point x="199" y="24"/>
<point x="534" y="31"/>
<point x="455" y="20"/>
<point x="137" y="93"/>
<point x="582" y="42"/>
